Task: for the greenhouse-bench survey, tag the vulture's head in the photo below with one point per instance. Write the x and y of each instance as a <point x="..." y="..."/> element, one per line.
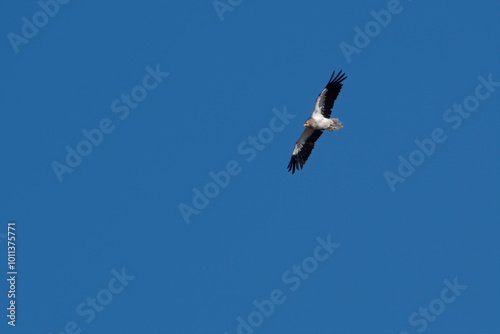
<point x="310" y="123"/>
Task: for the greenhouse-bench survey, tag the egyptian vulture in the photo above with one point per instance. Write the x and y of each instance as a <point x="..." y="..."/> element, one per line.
<point x="319" y="121"/>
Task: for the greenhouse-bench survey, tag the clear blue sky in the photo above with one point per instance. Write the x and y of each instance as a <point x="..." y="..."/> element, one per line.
<point x="117" y="115"/>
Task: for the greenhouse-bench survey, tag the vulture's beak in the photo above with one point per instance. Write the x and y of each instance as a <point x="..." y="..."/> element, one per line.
<point x="306" y="124"/>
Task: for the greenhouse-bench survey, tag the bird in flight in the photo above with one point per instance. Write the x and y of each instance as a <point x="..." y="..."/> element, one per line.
<point x="319" y="121"/>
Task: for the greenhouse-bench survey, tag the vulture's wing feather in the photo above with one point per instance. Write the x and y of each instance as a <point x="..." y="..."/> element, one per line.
<point x="325" y="100"/>
<point x="303" y="148"/>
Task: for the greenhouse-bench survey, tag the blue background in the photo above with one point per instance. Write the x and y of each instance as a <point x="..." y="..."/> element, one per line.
<point x="120" y="207"/>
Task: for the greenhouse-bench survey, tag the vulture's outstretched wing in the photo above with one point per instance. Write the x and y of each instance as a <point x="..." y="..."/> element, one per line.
<point x="303" y="148"/>
<point x="325" y="100"/>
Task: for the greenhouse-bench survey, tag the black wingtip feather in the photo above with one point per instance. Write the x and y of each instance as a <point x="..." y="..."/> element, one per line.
<point x="338" y="79"/>
<point x="294" y="164"/>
